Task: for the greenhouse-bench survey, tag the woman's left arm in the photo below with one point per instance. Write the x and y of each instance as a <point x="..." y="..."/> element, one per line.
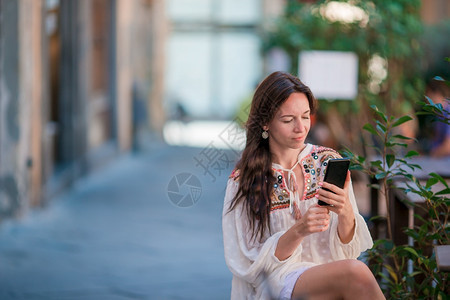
<point x="349" y="235"/>
<point x="340" y="204"/>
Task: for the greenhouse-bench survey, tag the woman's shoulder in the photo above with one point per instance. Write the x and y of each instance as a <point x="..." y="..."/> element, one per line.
<point x="234" y="176"/>
<point x="232" y="187"/>
<point x="324" y="152"/>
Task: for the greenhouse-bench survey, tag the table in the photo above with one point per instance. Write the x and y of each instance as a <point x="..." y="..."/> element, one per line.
<point x="443" y="257"/>
<point x="403" y="215"/>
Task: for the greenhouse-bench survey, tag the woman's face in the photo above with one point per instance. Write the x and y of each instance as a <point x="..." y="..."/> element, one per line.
<point x="291" y="123"/>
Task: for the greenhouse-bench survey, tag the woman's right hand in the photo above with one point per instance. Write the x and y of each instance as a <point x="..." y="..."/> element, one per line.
<point x="316" y="219"/>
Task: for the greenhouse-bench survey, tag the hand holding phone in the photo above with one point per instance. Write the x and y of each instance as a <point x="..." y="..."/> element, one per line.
<point x="336" y="173"/>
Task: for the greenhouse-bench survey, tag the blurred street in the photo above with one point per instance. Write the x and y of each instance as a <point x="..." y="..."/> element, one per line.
<point x="117" y="235"/>
<point x="120" y="121"/>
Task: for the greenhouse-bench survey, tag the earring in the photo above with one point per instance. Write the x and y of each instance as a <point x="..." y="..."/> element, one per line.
<point x="265" y="134"/>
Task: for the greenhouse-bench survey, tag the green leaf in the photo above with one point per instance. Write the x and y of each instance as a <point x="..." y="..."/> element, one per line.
<point x="412" y="234"/>
<point x="369" y="127"/>
<point x="439" y="177"/>
<point x="380" y="175"/>
<point x="388" y="244"/>
<point x="361" y="159"/>
<point x="377" y="218"/>
<point x="402" y="161"/>
<point x="385" y="277"/>
<point x="376" y="163"/>
<point x="431" y="181"/>
<point x="415" y="166"/>
<point x="411" y="153"/>
<point x="374" y="186"/>
<point x="430" y="101"/>
<point x="392" y="273"/>
<point x="396" y="144"/>
<point x="401" y="120"/>
<point x="374" y="107"/>
<point x="411" y="250"/>
<point x="356" y="167"/>
<point x="399" y="136"/>
<point x="378" y="243"/>
<point x="423" y="113"/>
<point x="415" y="273"/>
<point x="443" y="192"/>
<point x="432" y="214"/>
<point x="380" y="114"/>
<point x="390" y="159"/>
<point x="381" y="128"/>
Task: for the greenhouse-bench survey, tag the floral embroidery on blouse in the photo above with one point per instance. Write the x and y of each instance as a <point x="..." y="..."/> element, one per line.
<point x="280" y="195"/>
<point x="235" y="174"/>
<point x="313" y="166"/>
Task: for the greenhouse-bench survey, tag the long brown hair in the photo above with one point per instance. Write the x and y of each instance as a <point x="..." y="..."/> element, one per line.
<point x="256" y="177"/>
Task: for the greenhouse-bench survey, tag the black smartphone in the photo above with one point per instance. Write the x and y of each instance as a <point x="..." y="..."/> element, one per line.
<point x="336" y="173"/>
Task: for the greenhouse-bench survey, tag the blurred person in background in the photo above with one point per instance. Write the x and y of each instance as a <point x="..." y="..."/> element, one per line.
<point x="279" y="243"/>
<point x="434" y="134"/>
<point x="440" y="142"/>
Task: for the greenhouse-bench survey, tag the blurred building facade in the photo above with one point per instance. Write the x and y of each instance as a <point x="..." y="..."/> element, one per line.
<point x="211" y="41"/>
<point x="79" y="83"/>
<point x="434" y="11"/>
<point x="214" y="54"/>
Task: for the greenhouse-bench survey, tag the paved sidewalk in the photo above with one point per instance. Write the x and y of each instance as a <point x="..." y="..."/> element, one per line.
<point x="117" y="235"/>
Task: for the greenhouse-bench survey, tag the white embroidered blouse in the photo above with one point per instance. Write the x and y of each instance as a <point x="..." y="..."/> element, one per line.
<point x="257" y="272"/>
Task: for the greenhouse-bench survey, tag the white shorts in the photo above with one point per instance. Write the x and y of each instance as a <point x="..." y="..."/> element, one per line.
<point x="289" y="283"/>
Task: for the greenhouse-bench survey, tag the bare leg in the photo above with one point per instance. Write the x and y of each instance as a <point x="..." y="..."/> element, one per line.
<point x="345" y="279"/>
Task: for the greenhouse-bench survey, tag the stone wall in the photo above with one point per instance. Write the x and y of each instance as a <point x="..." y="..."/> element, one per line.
<point x="10" y="133"/>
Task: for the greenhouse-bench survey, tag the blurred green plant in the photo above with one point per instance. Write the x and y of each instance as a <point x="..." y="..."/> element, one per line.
<point x="407" y="271"/>
<point x="387" y="33"/>
<point x="390" y="29"/>
<point x="436" y="109"/>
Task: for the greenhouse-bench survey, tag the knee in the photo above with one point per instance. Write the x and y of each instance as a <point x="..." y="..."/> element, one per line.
<point x="359" y="275"/>
<point x="360" y="281"/>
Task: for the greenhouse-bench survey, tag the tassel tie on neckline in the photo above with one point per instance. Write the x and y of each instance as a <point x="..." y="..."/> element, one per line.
<point x="291" y="185"/>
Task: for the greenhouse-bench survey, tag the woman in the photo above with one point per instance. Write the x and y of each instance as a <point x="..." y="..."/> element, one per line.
<point x="279" y="243"/>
